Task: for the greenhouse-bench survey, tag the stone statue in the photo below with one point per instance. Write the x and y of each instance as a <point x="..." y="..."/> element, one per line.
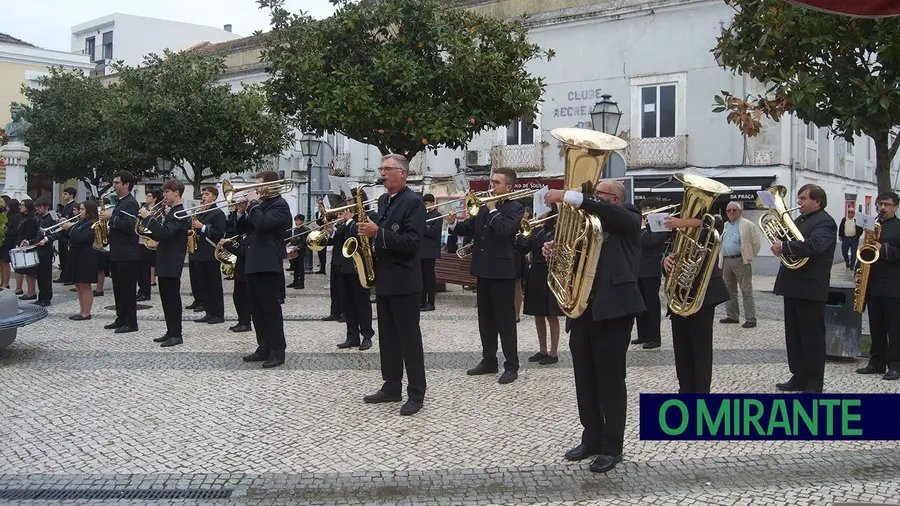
<point x="15" y="129"/>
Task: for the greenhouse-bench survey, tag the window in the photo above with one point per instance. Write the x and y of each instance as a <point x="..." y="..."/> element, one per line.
<point x="849" y="148"/>
<point x="811" y="132"/>
<point x="108" y="45"/>
<point x="658" y="111"/>
<point x="89" y="47"/>
<point x="519" y="132"/>
<point x="869" y="149"/>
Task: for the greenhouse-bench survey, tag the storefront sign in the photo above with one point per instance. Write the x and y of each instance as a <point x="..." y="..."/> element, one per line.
<point x="481" y="185"/>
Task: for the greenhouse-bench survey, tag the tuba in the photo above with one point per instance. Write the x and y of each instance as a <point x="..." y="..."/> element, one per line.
<point x="578" y="236"/>
<point x="696" y="249"/>
<point x="777" y="224"/>
<point x="867" y="254"/>
<point x="225" y="257"/>
<point x="358" y="248"/>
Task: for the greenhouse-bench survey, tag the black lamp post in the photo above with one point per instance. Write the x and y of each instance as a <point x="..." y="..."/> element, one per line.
<point x="606" y="115"/>
<point x="309" y="146"/>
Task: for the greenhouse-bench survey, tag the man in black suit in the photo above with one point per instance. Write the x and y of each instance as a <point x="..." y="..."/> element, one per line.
<point x="493" y="231"/>
<point x="599" y="338"/>
<point x="357" y="309"/>
<point x="265" y="220"/>
<point x="171" y="235"/>
<point x="66" y="271"/>
<point x="395" y="234"/>
<point x="883" y="293"/>
<point x="44" y="250"/>
<point x="430" y="252"/>
<point x="209" y="227"/>
<point x="805" y="291"/>
<point x="298" y="263"/>
<point x="124" y="252"/>
<point x="653" y="244"/>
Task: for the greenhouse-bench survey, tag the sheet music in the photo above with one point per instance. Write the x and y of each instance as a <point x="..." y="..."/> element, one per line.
<point x="657" y="222"/>
<point x="767" y="198"/>
<point x="461" y="182"/>
<point x="865" y="221"/>
<point x="538" y="205"/>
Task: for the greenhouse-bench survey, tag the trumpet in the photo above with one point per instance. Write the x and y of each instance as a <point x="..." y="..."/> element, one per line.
<point x="528" y="226"/>
<point x="55" y="228"/>
<point x="662" y="209"/>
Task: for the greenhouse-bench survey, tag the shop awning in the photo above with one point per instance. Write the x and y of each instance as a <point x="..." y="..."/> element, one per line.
<point x="743" y="189"/>
<point x="856" y="8"/>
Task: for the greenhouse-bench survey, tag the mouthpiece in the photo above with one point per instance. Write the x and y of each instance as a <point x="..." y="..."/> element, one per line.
<point x="379" y="180"/>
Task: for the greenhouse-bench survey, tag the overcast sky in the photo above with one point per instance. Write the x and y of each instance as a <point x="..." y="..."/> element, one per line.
<point x="48" y="23"/>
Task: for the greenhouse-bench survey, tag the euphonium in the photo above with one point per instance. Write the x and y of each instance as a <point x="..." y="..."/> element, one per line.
<point x="145" y="237"/>
<point x="867" y="254"/>
<point x="192" y="241"/>
<point x="777" y="224"/>
<point x="696" y="249"/>
<point x="225" y="257"/>
<point x="358" y="248"/>
<point x="578" y="236"/>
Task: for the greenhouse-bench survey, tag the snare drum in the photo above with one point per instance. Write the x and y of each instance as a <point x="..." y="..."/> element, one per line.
<point x="292" y="252"/>
<point x="23" y="257"/>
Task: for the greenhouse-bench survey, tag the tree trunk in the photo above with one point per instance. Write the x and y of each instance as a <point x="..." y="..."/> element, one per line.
<point x="195" y="183"/>
<point x="883" y="156"/>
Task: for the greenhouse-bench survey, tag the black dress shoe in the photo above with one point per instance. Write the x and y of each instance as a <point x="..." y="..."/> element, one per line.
<point x="25" y="297"/>
<point x="410" y="407"/>
<point x="98" y="293"/>
<point x="240" y="328"/>
<point x="537" y="357"/>
<point x="42" y="303"/>
<point x="348" y="344"/>
<point x="549" y="360"/>
<point x="203" y="319"/>
<point x="142" y="298"/>
<point x="161" y="339"/>
<point x="381" y="396"/>
<point x="870" y="369"/>
<point x="508" y="377"/>
<point x="365" y="345"/>
<point x="581" y="452"/>
<point x="340" y="319"/>
<point x="604" y="463"/>
<point x="892" y="375"/>
<point x="427" y="307"/>
<point x="650" y="346"/>
<point x="192" y="305"/>
<point x="482" y="368"/>
<point x="789" y="386"/>
<point x="213" y="320"/>
<point x="749" y="325"/>
<point x="256" y="356"/>
<point x="638" y="341"/>
<point x="173" y="341"/>
<point x="728" y="320"/>
<point x="199" y="309"/>
<point x="125" y="329"/>
<point x="275" y="360"/>
<point x="79" y="318"/>
<point x="113" y="325"/>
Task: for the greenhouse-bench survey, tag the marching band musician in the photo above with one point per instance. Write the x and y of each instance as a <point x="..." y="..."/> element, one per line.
<point x="148" y="256"/>
<point x="355" y="303"/>
<point x="692" y="335"/>
<point x="334" y="273"/>
<point x="298" y="263"/>
<point x="44" y="244"/>
<point x="124" y="255"/>
<point x="653" y="245"/>
<point x="263" y="222"/>
<point x="599" y="338"/>
<point x="206" y="275"/>
<point x="83" y="258"/>
<point x="395" y="235"/>
<point x="882" y="297"/>
<point x="539" y="301"/>
<point x="493" y="231"/>
<point x="171" y="234"/>
<point x="805" y="291"/>
<point x="239" y="296"/>
<point x="430" y="252"/>
<point x="62" y="244"/>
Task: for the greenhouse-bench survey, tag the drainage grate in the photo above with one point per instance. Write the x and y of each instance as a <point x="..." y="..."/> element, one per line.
<point x="59" y="494"/>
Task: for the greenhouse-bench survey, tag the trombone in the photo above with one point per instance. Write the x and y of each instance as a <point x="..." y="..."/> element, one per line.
<point x="528" y="226"/>
<point x="238" y="194"/>
<point x="473" y="202"/>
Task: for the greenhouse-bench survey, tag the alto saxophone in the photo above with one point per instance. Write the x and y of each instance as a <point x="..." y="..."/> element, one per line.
<point x="867" y="254"/>
<point x="358" y="248"/>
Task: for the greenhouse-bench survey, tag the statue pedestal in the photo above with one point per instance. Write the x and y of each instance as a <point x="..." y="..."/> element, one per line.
<point x="15" y="156"/>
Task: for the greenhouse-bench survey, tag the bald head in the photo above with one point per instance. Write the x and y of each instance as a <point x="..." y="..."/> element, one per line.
<point x="611" y="188"/>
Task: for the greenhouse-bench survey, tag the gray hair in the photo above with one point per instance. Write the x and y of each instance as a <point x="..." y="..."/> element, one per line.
<point x="736" y="204"/>
<point x="401" y="160"/>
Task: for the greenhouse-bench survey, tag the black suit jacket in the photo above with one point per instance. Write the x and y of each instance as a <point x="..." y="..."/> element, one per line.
<point x="123" y="240"/>
<point x="63" y="236"/>
<point x="214" y="223"/>
<point x="264" y="222"/>
<point x="653" y="245"/>
<point x="81" y="240"/>
<point x="494" y="234"/>
<point x="810" y="282"/>
<point x="44" y="221"/>
<point x="342" y="231"/>
<point x="884" y="276"/>
<point x="172" y="235"/>
<point x="616" y="293"/>
<point x="431" y="238"/>
<point x="401" y="223"/>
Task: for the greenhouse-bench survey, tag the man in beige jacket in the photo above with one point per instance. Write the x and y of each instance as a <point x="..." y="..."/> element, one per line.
<point x="740" y="243"/>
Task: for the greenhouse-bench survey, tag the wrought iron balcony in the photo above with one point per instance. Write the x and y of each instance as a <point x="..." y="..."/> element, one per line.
<point x="657" y="152"/>
<point x="520" y="157"/>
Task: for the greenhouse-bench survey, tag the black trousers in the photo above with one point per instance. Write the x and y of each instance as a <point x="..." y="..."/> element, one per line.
<point x="322" y="260"/>
<point x="299" y="266"/>
<point x="198" y="287"/>
<point x="428" y="281"/>
<point x="884" y="324"/>
<point x="265" y="310"/>
<point x="124" y="281"/>
<point x="692" y="339"/>
<point x="335" y="283"/>
<point x="357" y="308"/>
<point x="241" y="301"/>
<point x="400" y="344"/>
<point x="211" y="281"/>
<point x="170" y="296"/>
<point x="648" y="322"/>
<point x="66" y="273"/>
<point x="598" y="359"/>
<point x="44" y="277"/>
<point x="804" y="332"/>
<point x="497" y="315"/>
<point x="147" y="257"/>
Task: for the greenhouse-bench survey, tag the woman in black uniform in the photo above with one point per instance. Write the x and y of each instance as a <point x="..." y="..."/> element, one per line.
<point x="539" y="302"/>
<point x="13" y="217"/>
<point x="28" y="228"/>
<point x="84" y="258"/>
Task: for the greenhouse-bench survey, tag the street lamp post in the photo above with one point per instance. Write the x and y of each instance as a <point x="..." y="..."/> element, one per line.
<point x="606" y="115"/>
<point x="309" y="146"/>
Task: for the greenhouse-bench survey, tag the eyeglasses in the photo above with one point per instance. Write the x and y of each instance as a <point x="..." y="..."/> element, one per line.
<point x="389" y="168"/>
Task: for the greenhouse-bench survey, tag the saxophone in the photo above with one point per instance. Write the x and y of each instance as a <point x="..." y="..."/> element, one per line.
<point x="192" y="241"/>
<point x="578" y="236"/>
<point x="358" y="248"/>
<point x="867" y="254"/>
<point x="101" y="235"/>
<point x="696" y="249"/>
<point x="777" y="224"/>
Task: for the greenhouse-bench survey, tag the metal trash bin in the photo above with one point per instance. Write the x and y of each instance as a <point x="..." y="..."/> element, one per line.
<point x="843" y="325"/>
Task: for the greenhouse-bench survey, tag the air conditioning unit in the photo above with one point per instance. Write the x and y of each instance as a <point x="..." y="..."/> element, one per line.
<point x="477" y="157"/>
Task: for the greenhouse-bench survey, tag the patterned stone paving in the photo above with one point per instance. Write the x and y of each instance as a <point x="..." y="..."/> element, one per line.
<point x="90" y="417"/>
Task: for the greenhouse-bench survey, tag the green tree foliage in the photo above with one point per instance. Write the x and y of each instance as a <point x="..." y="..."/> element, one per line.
<point x="402" y="75"/>
<point x="830" y="70"/>
<point x="174" y="106"/>
<point x="71" y="137"/>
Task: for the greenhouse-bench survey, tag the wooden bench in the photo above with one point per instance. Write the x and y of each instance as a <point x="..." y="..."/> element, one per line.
<point x="453" y="270"/>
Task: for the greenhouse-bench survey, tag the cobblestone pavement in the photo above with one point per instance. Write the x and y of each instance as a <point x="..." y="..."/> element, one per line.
<point x="88" y="416"/>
